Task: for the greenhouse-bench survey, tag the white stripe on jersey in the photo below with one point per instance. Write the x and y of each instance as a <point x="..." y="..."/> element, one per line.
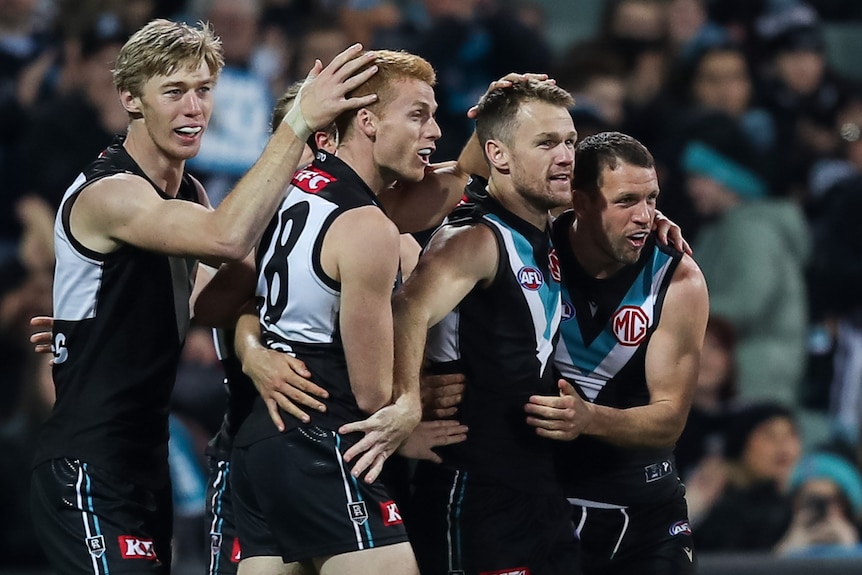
<point x="545" y="345"/>
<point x="77" y="278"/>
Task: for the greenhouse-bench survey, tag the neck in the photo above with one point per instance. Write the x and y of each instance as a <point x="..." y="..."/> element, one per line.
<point x="502" y="191"/>
<point x="360" y="158"/>
<point x="594" y="261"/>
<point x="164" y="171"/>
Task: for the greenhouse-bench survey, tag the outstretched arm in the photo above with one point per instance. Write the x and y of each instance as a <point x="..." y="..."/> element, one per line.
<point x="128" y="211"/>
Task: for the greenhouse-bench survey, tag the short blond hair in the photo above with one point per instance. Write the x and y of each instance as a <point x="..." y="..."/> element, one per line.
<point x="162" y="47"/>
<point x="392" y="65"/>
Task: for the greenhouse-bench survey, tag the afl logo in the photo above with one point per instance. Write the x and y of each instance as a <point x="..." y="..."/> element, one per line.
<point x="630" y="325"/>
<point x="554" y="265"/>
<point x="530" y="278"/>
<point x="680" y="528"/>
<point x="568" y="310"/>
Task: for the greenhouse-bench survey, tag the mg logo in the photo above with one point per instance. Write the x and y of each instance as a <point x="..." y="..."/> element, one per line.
<point x="630" y="325"/>
<point x="530" y="278"/>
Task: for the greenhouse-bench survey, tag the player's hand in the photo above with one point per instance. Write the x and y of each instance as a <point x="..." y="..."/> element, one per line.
<point x="282" y="381"/>
<point x="384" y="431"/>
<point x="324" y="96"/>
<point x="562" y="417"/>
<point x="507" y="81"/>
<point x="430" y="434"/>
<point x="43" y="341"/>
<point x="669" y="233"/>
<point x="441" y="395"/>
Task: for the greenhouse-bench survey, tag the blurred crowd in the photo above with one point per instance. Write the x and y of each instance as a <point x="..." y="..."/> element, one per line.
<point x="758" y="141"/>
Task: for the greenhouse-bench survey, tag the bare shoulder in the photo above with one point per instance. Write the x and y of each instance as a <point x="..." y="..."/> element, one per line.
<point x="688" y="275"/>
<point x="469" y="250"/>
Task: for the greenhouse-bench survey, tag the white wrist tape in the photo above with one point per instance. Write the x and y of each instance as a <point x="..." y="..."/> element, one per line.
<point x="296" y="121"/>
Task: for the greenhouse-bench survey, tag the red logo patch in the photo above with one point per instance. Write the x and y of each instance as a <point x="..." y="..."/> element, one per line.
<point x="135" y="548"/>
<point x="312" y="180"/>
<point x="630" y="325"/>
<point x="530" y="278"/>
<point x="515" y="571"/>
<point x="554" y="265"/>
<point x="235" y="553"/>
<point x="390" y="513"/>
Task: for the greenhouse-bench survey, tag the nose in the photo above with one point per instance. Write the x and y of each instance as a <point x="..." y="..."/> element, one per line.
<point x="434" y="130"/>
<point x="192" y="104"/>
<point x="643" y="212"/>
<point x="566" y="156"/>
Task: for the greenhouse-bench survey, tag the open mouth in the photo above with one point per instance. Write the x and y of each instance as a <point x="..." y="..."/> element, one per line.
<point x="425" y="154"/>
<point x="638" y="239"/>
<point x="189" y="131"/>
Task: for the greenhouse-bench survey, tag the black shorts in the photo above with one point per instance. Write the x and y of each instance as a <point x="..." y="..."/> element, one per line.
<point x="89" y="521"/>
<point x="647" y="540"/>
<point x="462" y="526"/>
<point x="224" y="541"/>
<point x="294" y="497"/>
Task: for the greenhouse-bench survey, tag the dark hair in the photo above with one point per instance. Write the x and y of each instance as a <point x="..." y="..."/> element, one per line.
<point x="497" y="110"/>
<point x="606" y="149"/>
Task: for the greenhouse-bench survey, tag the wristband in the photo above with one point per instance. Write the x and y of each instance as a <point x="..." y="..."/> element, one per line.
<point x="296" y="121"/>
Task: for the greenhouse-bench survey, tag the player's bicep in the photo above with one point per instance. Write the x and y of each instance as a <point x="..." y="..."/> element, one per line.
<point x="673" y="355"/>
<point x="455" y="261"/>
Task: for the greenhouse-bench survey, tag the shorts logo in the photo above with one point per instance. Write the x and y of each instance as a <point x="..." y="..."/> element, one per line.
<point x="568" y="310"/>
<point x="554" y="265"/>
<point x="96" y="546"/>
<point x="656" y="471"/>
<point x="516" y="571"/>
<point x="357" y="512"/>
<point x="312" y="180"/>
<point x="680" y="528"/>
<point x="134" y="548"/>
<point x="391" y="515"/>
<point x="235" y="552"/>
<point x="215" y="543"/>
<point x="530" y="278"/>
<point x="630" y="325"/>
<point x="688" y="553"/>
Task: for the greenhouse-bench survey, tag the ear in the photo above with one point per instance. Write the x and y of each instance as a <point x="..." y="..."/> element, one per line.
<point x="325" y="142"/>
<point x="131" y="103"/>
<point x="366" y="122"/>
<point x="498" y="155"/>
<point x="580" y="203"/>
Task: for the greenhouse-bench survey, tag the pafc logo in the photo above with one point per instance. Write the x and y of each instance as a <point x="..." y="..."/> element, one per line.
<point x="530" y="278"/>
<point x="630" y="325"/>
<point x="312" y="180"/>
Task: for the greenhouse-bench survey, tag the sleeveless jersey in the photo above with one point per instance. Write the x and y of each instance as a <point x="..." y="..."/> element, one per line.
<point x="501" y="337"/>
<point x="298" y="303"/>
<point x="120" y="320"/>
<point x="606" y="328"/>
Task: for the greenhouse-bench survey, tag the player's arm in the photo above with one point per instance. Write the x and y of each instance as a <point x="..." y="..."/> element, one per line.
<point x="219" y="302"/>
<point x="124" y="209"/>
<point x="672" y="362"/>
<point x="456" y="260"/>
<point x="366" y="270"/>
<point x="281" y="379"/>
